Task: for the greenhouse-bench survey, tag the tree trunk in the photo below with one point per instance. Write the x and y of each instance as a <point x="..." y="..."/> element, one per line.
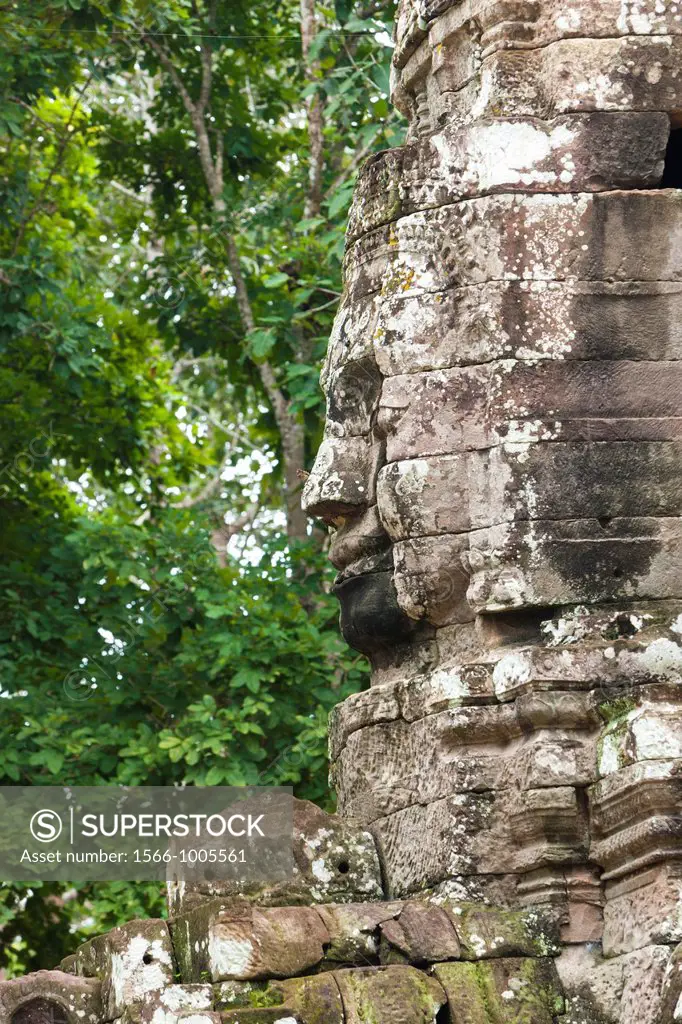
<point x="291" y="429"/>
<point x="315" y="113"/>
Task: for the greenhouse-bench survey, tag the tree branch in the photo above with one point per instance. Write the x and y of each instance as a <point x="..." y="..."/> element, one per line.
<point x="316" y="309"/>
<point x="267" y="375"/>
<point x="196" y="111"/>
<point x="183" y="364"/>
<point x="222" y="534"/>
<point x="167" y="63"/>
<point x="210" y="488"/>
<point x="27" y="106"/>
<point x="206" y="77"/>
<point x="219" y="154"/>
<point x="144" y="200"/>
<point x="234" y="432"/>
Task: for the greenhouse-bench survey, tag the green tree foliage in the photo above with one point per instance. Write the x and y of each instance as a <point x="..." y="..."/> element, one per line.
<point x="175" y="179"/>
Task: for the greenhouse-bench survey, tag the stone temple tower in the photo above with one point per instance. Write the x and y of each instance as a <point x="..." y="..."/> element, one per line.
<point x="502" y="463"/>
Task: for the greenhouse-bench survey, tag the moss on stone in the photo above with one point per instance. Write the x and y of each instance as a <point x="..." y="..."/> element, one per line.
<point x="492" y="932"/>
<point x="265" y="997"/>
<point x="237" y="994"/>
<point x="379" y="995"/>
<point x="186" y="931"/>
<point x="507" y="991"/>
<point x="619" y="707"/>
<point x="315" y="998"/>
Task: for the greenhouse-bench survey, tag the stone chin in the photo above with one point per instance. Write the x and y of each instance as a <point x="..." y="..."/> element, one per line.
<point x="372" y="621"/>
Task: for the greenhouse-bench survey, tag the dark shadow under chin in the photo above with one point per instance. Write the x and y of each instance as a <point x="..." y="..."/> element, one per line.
<point x="372" y="621"/>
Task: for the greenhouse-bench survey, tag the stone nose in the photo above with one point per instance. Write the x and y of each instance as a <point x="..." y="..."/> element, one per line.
<point x="343" y="478"/>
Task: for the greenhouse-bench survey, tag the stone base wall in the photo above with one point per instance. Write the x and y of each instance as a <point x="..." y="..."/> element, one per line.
<point x="398" y="962"/>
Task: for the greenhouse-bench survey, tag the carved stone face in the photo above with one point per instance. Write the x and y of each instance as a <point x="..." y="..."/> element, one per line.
<point x="503" y="378"/>
<point x="358" y="487"/>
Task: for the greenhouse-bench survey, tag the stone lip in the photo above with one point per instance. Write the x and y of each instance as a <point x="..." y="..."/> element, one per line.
<point x="371" y="619"/>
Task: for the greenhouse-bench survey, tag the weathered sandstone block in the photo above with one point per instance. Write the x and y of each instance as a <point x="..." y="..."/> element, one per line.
<point x="419" y="934"/>
<point x="637" y="826"/>
<point x="488" y="932"/>
<point x="647" y="732"/>
<point x="362" y="536"/>
<point x="525" y="991"/>
<point x="393" y="995"/>
<point x="524" y="24"/>
<point x="368" y="707"/>
<point x="239" y="941"/>
<point x="591" y="153"/>
<point x="481" y="833"/>
<point x="571" y="897"/>
<point x="568" y="76"/>
<point x="467" y="683"/>
<point x="386" y="767"/>
<point x="461" y="842"/>
<point x="621" y="990"/>
<point x="350" y="340"/>
<point x="334" y="860"/>
<point x="449" y="494"/>
<point x="671" y="1008"/>
<point x="347" y="469"/>
<point x="544" y="562"/>
<point x="131" y="962"/>
<point x="310" y="1000"/>
<point x="531" y="320"/>
<point x="606" y="664"/>
<point x="545" y="827"/>
<point x="521" y="404"/>
<point x="170" y="1005"/>
<point x="643" y="909"/>
<point x="430" y="579"/>
<point x="354" y="930"/>
<point x="610" y="236"/>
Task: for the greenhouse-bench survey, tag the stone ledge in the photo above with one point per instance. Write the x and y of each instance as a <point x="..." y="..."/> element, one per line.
<point x="578" y="655"/>
<point x="382" y="994"/>
<point x="242" y="944"/>
<point x="525" y="24"/>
